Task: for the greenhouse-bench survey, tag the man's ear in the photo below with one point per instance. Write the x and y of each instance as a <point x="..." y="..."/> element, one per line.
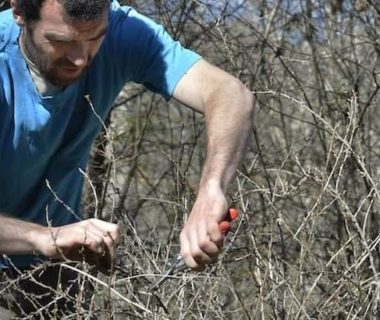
<point x="16" y="14"/>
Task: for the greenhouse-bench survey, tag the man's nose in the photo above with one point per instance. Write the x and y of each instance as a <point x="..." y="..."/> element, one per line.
<point x="78" y="54"/>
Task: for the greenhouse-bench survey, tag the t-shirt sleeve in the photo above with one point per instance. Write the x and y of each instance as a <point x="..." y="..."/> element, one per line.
<point x="145" y="53"/>
<point x="2" y="98"/>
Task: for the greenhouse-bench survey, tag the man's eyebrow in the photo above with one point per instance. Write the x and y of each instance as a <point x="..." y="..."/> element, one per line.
<point x="57" y="37"/>
<point x="60" y="37"/>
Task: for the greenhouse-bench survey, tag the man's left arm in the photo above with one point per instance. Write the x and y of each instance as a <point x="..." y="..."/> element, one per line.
<point x="228" y="109"/>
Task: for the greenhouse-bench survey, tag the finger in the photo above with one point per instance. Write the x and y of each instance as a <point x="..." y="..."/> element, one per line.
<point x="90" y="256"/>
<point x="109" y="258"/>
<point x="216" y="236"/>
<point x="186" y="254"/>
<point x="102" y="231"/>
<point x="94" y="241"/>
<point x="106" y="263"/>
<point x="101" y="244"/>
<point x="206" y="243"/>
<point x="112" y="229"/>
<point x="205" y="252"/>
<point x="109" y="241"/>
<point x="200" y="246"/>
<point x="100" y="261"/>
<point x="209" y="249"/>
<point x="95" y="227"/>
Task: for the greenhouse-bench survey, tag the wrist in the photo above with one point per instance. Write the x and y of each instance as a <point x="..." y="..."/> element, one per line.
<point x="211" y="193"/>
<point x="212" y="185"/>
<point x="40" y="241"/>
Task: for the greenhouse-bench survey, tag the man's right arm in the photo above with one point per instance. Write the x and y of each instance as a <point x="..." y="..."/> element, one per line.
<point x="98" y="239"/>
<point x="17" y="236"/>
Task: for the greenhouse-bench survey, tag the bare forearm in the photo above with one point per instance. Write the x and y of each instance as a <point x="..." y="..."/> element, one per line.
<point x="229" y="117"/>
<point x="228" y="108"/>
<point x="17" y="236"/>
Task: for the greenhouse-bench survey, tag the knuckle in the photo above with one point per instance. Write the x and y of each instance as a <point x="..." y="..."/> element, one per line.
<point x="97" y="243"/>
<point x="216" y="234"/>
<point x="194" y="266"/>
<point x="204" y="244"/>
<point x="91" y="244"/>
<point x="185" y="254"/>
<point x="215" y="231"/>
<point x="196" y="253"/>
<point x="94" y="242"/>
<point x="81" y="231"/>
<point x="189" y="261"/>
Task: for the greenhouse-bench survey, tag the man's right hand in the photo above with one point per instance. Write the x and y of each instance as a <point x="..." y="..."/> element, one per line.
<point x="93" y="241"/>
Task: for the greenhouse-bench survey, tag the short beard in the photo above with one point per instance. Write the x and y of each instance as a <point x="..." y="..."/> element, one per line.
<point x="41" y="61"/>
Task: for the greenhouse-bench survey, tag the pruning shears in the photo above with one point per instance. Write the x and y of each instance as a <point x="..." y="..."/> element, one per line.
<point x="177" y="265"/>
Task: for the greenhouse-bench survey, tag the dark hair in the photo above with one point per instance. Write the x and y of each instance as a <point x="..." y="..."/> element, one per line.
<point x="77" y="9"/>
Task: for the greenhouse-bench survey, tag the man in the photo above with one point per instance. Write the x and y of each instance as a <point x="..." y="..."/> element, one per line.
<point x="62" y="64"/>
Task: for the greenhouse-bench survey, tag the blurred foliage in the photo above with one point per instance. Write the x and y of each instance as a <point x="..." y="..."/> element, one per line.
<point x="4" y="5"/>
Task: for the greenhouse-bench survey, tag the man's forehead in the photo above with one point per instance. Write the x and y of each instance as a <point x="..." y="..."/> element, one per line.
<point x="53" y="11"/>
<point x="54" y="19"/>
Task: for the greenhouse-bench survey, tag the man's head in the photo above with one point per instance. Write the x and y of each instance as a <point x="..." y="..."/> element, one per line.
<point x="61" y="37"/>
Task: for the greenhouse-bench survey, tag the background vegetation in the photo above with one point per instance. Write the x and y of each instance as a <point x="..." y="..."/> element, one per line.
<point x="306" y="245"/>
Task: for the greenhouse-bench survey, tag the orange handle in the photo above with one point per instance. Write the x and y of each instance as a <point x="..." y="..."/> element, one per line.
<point x="225" y="225"/>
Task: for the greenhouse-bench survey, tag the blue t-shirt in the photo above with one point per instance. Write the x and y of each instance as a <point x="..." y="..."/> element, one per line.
<point x="48" y="139"/>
